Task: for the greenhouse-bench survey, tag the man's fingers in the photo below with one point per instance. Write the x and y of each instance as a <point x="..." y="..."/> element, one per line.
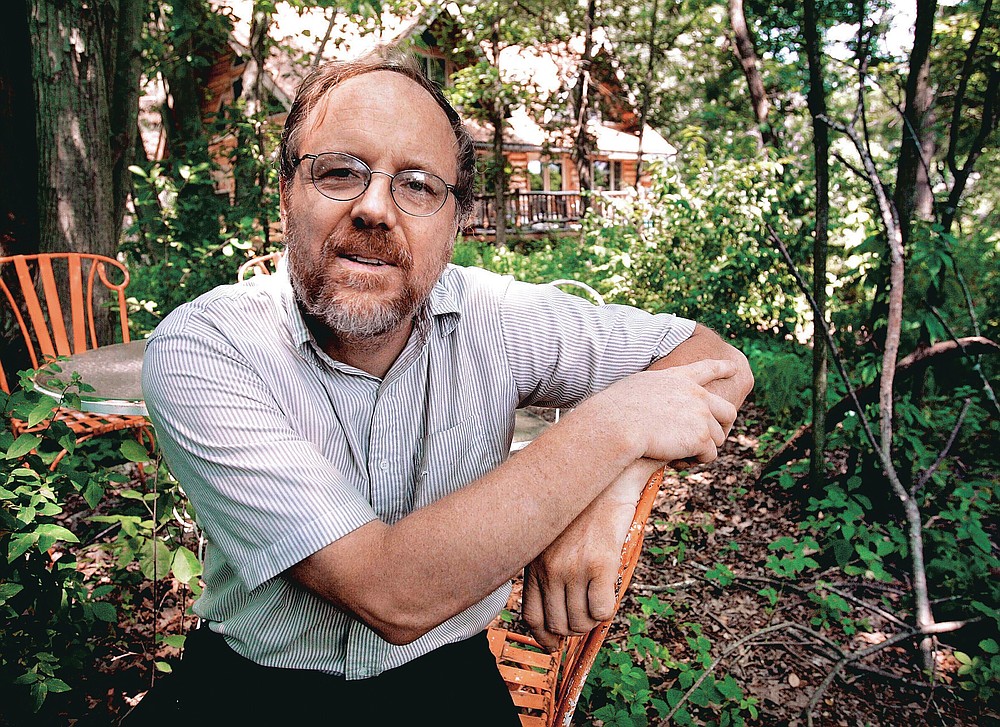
<point x="531" y="601"/>
<point x="707" y="370"/>
<point x="578" y="610"/>
<point x="723" y="411"/>
<point x="601" y="597"/>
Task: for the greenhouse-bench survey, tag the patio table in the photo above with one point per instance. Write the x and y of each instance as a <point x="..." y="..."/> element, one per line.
<point x="115" y="372"/>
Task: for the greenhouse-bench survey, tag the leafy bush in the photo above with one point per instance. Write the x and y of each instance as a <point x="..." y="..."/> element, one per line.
<point x="55" y="619"/>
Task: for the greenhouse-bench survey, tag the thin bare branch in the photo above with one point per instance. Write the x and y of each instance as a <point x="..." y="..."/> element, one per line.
<point x="929" y="472"/>
<point x="819" y="320"/>
<point x="937" y="628"/>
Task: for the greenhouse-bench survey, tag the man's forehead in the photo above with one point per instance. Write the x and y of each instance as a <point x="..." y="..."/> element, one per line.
<point x="380" y="99"/>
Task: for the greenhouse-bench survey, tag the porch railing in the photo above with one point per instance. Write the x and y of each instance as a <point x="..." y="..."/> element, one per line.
<point x="537" y="210"/>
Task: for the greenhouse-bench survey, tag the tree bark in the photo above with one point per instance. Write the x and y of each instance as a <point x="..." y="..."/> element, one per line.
<point x="249" y="167"/>
<point x="647" y="87"/>
<point x="582" y="143"/>
<point x="747" y="56"/>
<point x="85" y="63"/>
<point x="912" y="194"/>
<point x="821" y="156"/>
<point x="497" y="116"/>
<point x="85" y="69"/>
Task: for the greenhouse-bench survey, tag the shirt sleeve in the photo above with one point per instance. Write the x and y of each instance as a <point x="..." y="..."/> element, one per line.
<point x="562" y="348"/>
<point x="265" y="497"/>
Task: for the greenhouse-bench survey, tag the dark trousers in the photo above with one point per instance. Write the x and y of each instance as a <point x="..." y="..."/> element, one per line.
<point x="455" y="685"/>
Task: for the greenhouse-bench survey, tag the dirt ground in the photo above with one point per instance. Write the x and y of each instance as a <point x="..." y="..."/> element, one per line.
<point x="712" y="514"/>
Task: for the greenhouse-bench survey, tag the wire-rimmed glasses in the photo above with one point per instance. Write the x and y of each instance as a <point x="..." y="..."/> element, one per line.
<point x="343" y="177"/>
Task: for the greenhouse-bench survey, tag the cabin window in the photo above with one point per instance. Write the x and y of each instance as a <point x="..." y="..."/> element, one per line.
<point x="555" y="176"/>
<point x="601" y="174"/>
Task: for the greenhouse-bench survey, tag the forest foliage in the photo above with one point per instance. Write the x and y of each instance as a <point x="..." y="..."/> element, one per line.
<point x="838" y="165"/>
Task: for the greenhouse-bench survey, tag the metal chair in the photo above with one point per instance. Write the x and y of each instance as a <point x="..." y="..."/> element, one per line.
<point x="260" y="265"/>
<point x="546" y="687"/>
<point x="31" y="289"/>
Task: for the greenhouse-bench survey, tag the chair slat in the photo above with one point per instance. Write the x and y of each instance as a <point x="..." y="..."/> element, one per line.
<point x="35" y="314"/>
<point x="57" y="323"/>
<point x="76" y="304"/>
<point x="524" y="677"/>
<point x="529" y="700"/>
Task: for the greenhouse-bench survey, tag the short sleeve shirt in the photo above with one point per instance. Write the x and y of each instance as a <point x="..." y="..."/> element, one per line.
<point x="283" y="450"/>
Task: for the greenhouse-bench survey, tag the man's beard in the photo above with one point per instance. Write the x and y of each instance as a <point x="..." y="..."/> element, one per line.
<point x="351" y="305"/>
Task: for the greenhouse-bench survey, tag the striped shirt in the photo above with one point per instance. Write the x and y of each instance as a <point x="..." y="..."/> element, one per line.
<point x="283" y="450"/>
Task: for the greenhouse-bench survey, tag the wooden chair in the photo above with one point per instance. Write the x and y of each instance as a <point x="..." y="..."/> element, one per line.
<point x="546" y="687"/>
<point x="31" y="291"/>
<point x="260" y="265"/>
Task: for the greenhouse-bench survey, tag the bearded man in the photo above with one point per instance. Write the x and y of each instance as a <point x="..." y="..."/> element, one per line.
<point x="343" y="427"/>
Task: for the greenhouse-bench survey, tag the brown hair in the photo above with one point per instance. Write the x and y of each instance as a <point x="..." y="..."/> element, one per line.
<point x="328" y="76"/>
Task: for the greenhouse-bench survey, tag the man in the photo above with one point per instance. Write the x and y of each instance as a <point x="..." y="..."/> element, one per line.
<point x="342" y="426"/>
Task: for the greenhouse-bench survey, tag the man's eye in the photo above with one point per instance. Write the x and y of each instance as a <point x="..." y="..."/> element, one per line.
<point x="338" y="174"/>
<point x="417" y="186"/>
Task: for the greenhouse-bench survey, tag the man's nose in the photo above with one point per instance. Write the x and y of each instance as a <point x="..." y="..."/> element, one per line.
<point x="376" y="207"/>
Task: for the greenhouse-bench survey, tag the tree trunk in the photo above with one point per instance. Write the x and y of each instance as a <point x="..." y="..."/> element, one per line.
<point x="249" y="162"/>
<point x="821" y="157"/>
<point x="747" y="56"/>
<point x="917" y="145"/>
<point x="581" y="109"/>
<point x="85" y="63"/>
<point x="647" y="87"/>
<point x="85" y="68"/>
<point x="497" y="116"/>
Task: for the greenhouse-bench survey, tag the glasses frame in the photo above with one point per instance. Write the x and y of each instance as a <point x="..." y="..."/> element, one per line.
<point x="371" y="172"/>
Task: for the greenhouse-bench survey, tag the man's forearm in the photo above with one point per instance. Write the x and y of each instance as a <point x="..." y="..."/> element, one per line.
<point x="404" y="579"/>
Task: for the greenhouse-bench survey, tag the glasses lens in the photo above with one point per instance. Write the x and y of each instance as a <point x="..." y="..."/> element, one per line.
<point x="339" y="176"/>
<point x="419" y="193"/>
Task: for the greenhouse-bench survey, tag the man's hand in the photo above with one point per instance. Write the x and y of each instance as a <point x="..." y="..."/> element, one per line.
<point x="570" y="588"/>
<point x="670" y="412"/>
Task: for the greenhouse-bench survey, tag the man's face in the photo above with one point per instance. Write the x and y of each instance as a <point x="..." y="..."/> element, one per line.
<point x="362" y="267"/>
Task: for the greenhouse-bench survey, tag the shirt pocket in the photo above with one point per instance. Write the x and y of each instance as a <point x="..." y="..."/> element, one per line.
<point x="453" y="458"/>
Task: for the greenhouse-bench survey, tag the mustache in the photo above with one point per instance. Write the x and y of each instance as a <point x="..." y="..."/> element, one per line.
<point x="376" y="243"/>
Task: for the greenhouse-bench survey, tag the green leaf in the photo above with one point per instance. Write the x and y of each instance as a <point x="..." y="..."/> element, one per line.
<point x="174" y="640"/>
<point x="988" y="645"/>
<point x="93" y="493"/>
<point x="154" y="559"/>
<point x="980" y="538"/>
<point x="49" y="533"/>
<point x="134" y="452"/>
<point x="104" y="611"/>
<point x="9" y="590"/>
<point x="57" y="685"/>
<point x="19" y="545"/>
<point x="185" y="565"/>
<point x="42" y="411"/>
<point x="164" y="667"/>
<point x="22" y="445"/>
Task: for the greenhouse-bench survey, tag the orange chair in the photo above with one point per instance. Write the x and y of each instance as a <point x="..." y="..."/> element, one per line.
<point x="30" y="289"/>
<point x="546" y="687"/>
<point x="261" y="265"/>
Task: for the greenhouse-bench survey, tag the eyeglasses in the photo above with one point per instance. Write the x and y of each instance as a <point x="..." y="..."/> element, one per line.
<point x="344" y="177"/>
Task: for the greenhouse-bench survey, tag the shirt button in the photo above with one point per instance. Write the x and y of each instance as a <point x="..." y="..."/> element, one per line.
<point x="384" y="465"/>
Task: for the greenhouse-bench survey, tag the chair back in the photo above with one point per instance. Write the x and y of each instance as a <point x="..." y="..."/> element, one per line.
<point x="37" y="287"/>
<point x="569" y="282"/>
<point x="260" y="265"/>
<point x="546" y="687"/>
